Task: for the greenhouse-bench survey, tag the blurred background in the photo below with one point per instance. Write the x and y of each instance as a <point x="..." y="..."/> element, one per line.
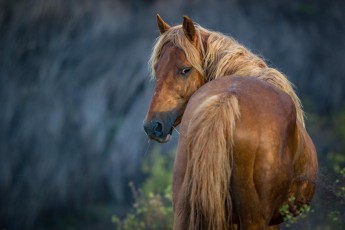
<point x="75" y="88"/>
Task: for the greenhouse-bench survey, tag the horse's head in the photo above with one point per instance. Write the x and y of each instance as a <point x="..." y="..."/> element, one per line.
<point x="178" y="75"/>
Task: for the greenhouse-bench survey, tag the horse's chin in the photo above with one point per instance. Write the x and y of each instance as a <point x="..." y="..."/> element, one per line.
<point x="162" y="139"/>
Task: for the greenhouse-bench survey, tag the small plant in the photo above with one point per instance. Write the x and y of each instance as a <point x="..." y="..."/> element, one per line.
<point x="291" y="213"/>
<point x="152" y="209"/>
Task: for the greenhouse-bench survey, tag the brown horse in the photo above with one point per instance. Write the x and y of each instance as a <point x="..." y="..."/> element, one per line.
<point x="243" y="151"/>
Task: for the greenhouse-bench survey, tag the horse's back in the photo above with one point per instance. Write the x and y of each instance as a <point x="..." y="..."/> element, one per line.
<point x="260" y="103"/>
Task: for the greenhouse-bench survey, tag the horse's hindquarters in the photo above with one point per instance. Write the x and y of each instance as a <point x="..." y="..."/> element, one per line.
<point x="264" y="144"/>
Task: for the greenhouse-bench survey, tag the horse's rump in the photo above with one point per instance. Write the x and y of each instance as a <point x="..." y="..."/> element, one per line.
<point x="211" y="118"/>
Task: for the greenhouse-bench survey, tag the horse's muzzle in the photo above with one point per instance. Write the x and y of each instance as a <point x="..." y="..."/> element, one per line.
<point x="156" y="130"/>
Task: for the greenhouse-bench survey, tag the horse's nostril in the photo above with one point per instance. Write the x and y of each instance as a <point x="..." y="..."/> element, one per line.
<point x="157" y="129"/>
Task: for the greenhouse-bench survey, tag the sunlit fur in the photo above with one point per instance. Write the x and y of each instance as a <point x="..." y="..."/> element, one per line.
<point x="221" y="56"/>
<point x="233" y="169"/>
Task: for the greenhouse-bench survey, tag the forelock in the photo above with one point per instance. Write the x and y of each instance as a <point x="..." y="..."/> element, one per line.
<point x="176" y="36"/>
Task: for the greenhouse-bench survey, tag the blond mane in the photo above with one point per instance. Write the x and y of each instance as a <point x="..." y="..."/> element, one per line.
<point x="221" y="55"/>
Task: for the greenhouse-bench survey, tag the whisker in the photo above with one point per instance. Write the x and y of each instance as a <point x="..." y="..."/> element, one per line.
<point x="148" y="146"/>
<point x="146" y="138"/>
<point x="177" y="131"/>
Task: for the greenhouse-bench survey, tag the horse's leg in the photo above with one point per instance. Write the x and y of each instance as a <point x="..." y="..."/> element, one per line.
<point x="254" y="201"/>
<point x="275" y="227"/>
<point x="181" y="211"/>
<point x="180" y="201"/>
<point x="235" y="227"/>
<point x="248" y="206"/>
<point x="257" y="185"/>
<point x="247" y="201"/>
<point x="180" y="220"/>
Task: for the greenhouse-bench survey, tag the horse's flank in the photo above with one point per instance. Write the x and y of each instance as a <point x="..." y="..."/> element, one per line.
<point x="219" y="55"/>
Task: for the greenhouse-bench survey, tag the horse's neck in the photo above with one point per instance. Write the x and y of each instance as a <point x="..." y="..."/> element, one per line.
<point x="225" y="57"/>
<point x="240" y="67"/>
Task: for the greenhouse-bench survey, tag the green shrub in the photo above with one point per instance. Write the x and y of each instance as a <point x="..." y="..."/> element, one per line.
<point x="152" y="208"/>
<point x="291" y="217"/>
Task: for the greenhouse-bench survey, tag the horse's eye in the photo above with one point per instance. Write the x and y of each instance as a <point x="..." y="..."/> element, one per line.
<point x="185" y="71"/>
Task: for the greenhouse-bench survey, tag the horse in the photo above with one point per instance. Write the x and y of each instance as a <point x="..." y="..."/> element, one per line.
<point x="243" y="151"/>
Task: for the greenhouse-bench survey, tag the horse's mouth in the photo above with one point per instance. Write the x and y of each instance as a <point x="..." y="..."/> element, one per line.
<point x="163" y="139"/>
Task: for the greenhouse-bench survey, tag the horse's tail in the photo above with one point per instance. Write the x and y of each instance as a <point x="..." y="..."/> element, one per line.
<point x="210" y="154"/>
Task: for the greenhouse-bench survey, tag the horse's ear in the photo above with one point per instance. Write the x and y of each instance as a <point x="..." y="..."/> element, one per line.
<point x="162" y="25"/>
<point x="189" y="28"/>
